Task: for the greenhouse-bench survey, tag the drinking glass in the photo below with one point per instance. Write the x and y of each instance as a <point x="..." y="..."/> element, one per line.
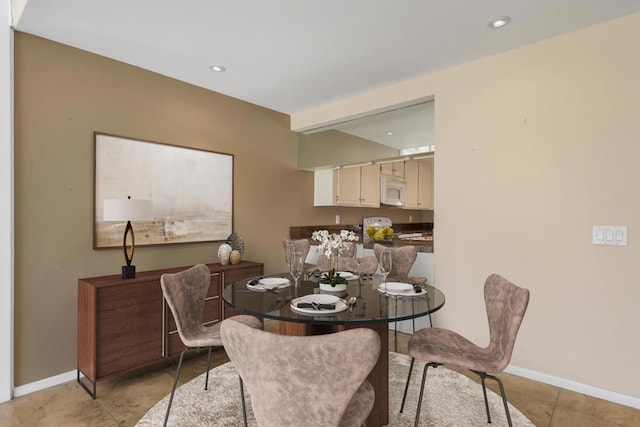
<point x="297" y="264"/>
<point x="385" y="266"/>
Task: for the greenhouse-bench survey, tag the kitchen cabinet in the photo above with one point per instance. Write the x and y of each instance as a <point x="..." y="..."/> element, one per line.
<point x="395" y="169"/>
<point x="419" y="177"/>
<point x="125" y="324"/>
<point x="370" y="186"/>
<point x="351" y="186"/>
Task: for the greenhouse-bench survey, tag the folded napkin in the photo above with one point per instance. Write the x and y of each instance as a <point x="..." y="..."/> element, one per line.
<point x="316" y="306"/>
<point x="254" y="282"/>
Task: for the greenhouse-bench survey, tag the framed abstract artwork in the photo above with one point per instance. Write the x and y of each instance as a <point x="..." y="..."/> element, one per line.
<point x="191" y="191"/>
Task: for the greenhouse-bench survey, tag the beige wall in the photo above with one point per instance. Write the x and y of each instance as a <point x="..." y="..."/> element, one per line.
<point x="332" y="147"/>
<point x="62" y="95"/>
<point x="535" y="146"/>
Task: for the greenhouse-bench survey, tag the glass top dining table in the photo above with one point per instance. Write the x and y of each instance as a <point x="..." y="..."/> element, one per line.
<point x="373" y="309"/>
<point x="363" y="302"/>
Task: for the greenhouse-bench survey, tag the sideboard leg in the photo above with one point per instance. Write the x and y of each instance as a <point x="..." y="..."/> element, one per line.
<point x="92" y="391"/>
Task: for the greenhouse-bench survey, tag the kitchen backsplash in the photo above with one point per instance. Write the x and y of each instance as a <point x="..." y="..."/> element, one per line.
<point x="305" y="231"/>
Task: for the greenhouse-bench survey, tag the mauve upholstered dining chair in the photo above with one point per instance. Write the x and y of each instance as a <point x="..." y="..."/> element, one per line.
<point x="402" y="259"/>
<point x="302" y="246"/>
<point x="311" y="381"/>
<point x="185" y="293"/>
<point x="506" y="304"/>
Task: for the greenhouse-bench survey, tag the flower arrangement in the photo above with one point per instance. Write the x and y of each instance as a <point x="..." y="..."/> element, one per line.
<point x="332" y="245"/>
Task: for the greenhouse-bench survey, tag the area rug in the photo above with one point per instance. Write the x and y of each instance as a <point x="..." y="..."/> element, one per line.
<point x="450" y="399"/>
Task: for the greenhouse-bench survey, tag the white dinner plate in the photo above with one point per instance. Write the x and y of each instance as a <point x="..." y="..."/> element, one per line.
<point x="396" y="286"/>
<point x="320" y="299"/>
<point x="273" y="282"/>
<point x="400" y="289"/>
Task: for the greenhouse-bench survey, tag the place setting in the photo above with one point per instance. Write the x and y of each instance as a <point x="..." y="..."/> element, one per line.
<point x="268" y="284"/>
<point x="319" y="304"/>
<point x="347" y="275"/>
<point x="399" y="289"/>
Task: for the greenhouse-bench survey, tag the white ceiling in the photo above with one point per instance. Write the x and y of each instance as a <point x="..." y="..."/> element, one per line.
<point x="294" y="55"/>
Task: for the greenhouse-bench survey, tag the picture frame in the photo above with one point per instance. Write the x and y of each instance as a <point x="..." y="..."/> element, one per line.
<point x="191" y="190"/>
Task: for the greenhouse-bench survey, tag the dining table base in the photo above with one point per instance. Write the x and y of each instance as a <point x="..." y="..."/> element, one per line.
<point x="379" y="375"/>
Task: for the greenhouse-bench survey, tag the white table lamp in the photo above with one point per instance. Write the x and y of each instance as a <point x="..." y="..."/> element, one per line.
<point x="127" y="210"/>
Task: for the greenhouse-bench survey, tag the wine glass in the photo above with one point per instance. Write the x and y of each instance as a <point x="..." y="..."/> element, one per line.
<point x="297" y="264"/>
<point x="385" y="266"/>
<point x="289" y="248"/>
<point x="358" y="254"/>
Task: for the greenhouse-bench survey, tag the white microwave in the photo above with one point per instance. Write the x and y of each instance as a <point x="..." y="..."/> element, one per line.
<point x="393" y="191"/>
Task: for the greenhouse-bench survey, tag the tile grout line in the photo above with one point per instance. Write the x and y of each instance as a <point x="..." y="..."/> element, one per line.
<point x="555" y="406"/>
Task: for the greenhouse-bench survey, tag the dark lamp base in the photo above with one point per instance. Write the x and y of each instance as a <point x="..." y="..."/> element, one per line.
<point x="128" y="271"/>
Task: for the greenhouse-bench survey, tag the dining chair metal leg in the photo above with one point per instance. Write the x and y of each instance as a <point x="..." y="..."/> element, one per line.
<point x="175" y="382"/>
<point x="395" y="336"/>
<point x="244" y="404"/>
<point x="206" y="380"/>
<point x="484" y="393"/>
<point x="504" y="398"/>
<point x="424" y="377"/>
<point x="483" y="376"/>
<point x="406" y="387"/>
<point x="429" y="307"/>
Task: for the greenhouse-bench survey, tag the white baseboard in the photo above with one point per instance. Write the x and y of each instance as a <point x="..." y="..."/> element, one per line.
<point x="45" y="383"/>
<point x="610" y="396"/>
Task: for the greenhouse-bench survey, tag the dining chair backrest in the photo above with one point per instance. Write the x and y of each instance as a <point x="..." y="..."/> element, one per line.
<point x="300" y="245"/>
<point x="402" y="259"/>
<point x="294" y="380"/>
<point x="185" y="293"/>
<point x="506" y="304"/>
<point x="369" y="264"/>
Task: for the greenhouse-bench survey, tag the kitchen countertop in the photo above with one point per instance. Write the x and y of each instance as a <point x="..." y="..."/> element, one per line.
<point x="425" y="244"/>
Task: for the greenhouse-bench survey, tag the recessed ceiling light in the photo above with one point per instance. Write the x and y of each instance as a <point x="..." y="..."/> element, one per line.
<point x="217" y="68"/>
<point x="389" y="133"/>
<point x="499" y="22"/>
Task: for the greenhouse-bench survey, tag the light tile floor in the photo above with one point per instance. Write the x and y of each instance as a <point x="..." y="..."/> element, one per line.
<point x="124" y="400"/>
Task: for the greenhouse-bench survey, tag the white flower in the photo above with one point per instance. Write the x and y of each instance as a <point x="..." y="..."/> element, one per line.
<point x="333" y="243"/>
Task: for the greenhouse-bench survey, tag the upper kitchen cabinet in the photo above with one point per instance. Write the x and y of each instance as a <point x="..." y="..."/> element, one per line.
<point x="395" y="169"/>
<point x="419" y="177"/>
<point x="351" y="186"/>
<point x="348" y="158"/>
<point x="370" y="186"/>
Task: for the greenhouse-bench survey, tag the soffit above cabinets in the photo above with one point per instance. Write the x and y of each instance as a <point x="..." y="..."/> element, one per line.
<point x="377" y="138"/>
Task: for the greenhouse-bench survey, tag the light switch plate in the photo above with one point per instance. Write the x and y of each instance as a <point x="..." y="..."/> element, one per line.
<point x="615" y="235"/>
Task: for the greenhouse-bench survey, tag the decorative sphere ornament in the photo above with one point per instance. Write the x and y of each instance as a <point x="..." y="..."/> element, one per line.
<point x="234" y="257"/>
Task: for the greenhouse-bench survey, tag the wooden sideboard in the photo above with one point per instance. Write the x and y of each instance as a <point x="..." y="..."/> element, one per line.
<point x="125" y="324"/>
